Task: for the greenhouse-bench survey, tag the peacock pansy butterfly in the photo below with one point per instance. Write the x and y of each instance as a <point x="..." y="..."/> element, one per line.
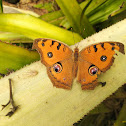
<point x="63" y="64"/>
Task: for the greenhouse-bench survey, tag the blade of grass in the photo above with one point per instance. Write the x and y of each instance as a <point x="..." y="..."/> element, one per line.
<point x="72" y="11"/>
<point x="111" y="20"/>
<point x="100" y="9"/>
<point x="59" y="14"/>
<point x="33" y="28"/>
<point x="94" y="4"/>
<point x="102" y="12"/>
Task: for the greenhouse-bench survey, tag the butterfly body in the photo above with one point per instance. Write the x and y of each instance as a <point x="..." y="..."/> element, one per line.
<point x="64" y="64"/>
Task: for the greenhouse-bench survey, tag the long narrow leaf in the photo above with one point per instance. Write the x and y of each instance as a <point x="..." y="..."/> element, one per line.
<point x="72" y="11"/>
<point x="14" y="38"/>
<point x="33" y="28"/>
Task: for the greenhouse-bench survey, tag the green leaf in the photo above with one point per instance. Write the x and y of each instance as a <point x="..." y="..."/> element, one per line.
<point x="14" y="38"/>
<point x="48" y="6"/>
<point x="33" y="28"/>
<point x="13" y="57"/>
<point x="98" y="11"/>
<point x="72" y="11"/>
<point x="102" y="12"/>
<point x="49" y="17"/>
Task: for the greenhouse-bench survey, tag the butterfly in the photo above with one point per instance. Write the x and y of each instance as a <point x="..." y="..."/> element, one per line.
<point x="63" y="64"/>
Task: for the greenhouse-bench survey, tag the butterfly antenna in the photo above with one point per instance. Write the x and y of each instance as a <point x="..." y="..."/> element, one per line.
<point x="73" y="35"/>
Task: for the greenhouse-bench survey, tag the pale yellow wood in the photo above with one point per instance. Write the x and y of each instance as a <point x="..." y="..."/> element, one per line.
<point x="41" y="104"/>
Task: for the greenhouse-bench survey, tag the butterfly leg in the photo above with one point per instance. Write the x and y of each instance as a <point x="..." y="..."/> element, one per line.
<point x="102" y="83"/>
<point x="11" y="101"/>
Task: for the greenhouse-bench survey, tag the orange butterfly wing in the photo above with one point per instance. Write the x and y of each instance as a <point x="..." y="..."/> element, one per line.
<point x="57" y="57"/>
<point x="63" y="65"/>
<point x="95" y="59"/>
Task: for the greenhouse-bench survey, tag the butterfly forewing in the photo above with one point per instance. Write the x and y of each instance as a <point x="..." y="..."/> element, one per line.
<point x="101" y="54"/>
<point x="51" y="51"/>
<point x="58" y="58"/>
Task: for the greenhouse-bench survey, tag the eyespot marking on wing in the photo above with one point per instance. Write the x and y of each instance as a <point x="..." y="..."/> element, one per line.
<point x="57" y="67"/>
<point x="50" y="54"/>
<point x="113" y="48"/>
<point x="103" y="58"/>
<point x="62" y="83"/>
<point x="43" y="44"/>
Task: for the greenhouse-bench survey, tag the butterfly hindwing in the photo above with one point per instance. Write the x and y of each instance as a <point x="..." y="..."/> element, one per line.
<point x="61" y="73"/>
<point x="88" y="81"/>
